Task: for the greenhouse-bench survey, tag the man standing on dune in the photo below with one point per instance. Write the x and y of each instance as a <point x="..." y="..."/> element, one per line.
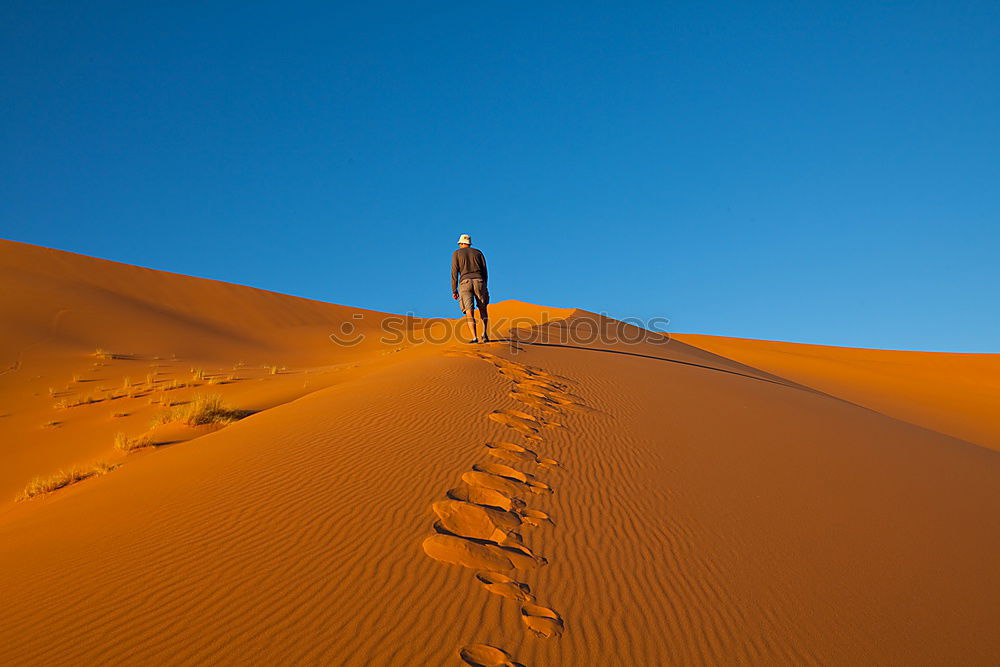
<point x="468" y="284"/>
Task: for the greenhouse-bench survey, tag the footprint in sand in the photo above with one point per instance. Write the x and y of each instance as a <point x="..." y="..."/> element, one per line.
<point x="508" y="487"/>
<point x="535" y="401"/>
<point x="481" y="495"/>
<point x="509" y="451"/>
<point x="469" y="520"/>
<point x="561" y="399"/>
<point x="521" y="422"/>
<point x="510" y="474"/>
<point x="535" y="517"/>
<point x="512" y="372"/>
<point x="541" y="389"/>
<point x="480" y="554"/>
<point x="548" y="422"/>
<point x="568" y="403"/>
<point x="484" y="655"/>
<point x="552" y="403"/>
<point x="504" y="586"/>
<point x="543" y="621"/>
<point x="545" y="376"/>
<point x="532" y="389"/>
<point x="503" y="471"/>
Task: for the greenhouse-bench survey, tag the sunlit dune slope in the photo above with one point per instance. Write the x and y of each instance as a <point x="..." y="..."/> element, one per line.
<point x="588" y="494"/>
<point x="952" y="393"/>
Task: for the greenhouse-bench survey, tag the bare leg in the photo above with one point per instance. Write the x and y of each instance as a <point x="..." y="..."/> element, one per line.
<point x="484" y="314"/>
<point x="471" y="314"/>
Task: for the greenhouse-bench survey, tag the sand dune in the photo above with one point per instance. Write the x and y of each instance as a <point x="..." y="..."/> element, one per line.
<point x="947" y="392"/>
<point x="549" y="502"/>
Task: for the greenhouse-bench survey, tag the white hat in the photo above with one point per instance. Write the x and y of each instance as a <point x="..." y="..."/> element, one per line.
<point x="465" y="238"/>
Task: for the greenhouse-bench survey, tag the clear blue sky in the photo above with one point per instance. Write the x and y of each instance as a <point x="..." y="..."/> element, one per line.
<point x="817" y="172"/>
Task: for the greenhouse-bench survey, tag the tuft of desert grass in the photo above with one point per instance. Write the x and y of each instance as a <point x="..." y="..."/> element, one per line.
<point x="101" y="353"/>
<point x="127" y="444"/>
<point x="41" y="485"/>
<point x="73" y="403"/>
<point x="202" y="409"/>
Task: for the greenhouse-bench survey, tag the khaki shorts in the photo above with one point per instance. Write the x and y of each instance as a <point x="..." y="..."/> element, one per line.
<point x="472" y="293"/>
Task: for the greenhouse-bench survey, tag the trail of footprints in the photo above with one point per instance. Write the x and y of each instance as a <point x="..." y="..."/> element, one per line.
<point x="480" y="522"/>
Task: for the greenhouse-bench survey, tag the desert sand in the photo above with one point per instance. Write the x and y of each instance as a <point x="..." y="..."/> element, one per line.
<point x="543" y="500"/>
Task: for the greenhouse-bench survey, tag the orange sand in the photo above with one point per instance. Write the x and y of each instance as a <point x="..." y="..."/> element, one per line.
<point x="615" y="503"/>
<point x="956" y="394"/>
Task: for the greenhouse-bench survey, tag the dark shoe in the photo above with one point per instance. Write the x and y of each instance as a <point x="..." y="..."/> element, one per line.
<point x="474" y="340"/>
<point x="486" y="338"/>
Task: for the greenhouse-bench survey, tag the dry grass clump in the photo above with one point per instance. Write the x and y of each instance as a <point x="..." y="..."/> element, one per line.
<point x="127" y="444"/>
<point x="101" y="353"/>
<point x="73" y="403"/>
<point x="202" y="410"/>
<point x="41" y="485"/>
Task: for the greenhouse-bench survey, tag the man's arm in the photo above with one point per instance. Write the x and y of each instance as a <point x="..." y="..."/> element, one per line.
<point x="454" y="273"/>
<point x="483" y="271"/>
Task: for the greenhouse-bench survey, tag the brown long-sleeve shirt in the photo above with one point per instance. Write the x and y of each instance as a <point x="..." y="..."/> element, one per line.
<point x="467" y="263"/>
